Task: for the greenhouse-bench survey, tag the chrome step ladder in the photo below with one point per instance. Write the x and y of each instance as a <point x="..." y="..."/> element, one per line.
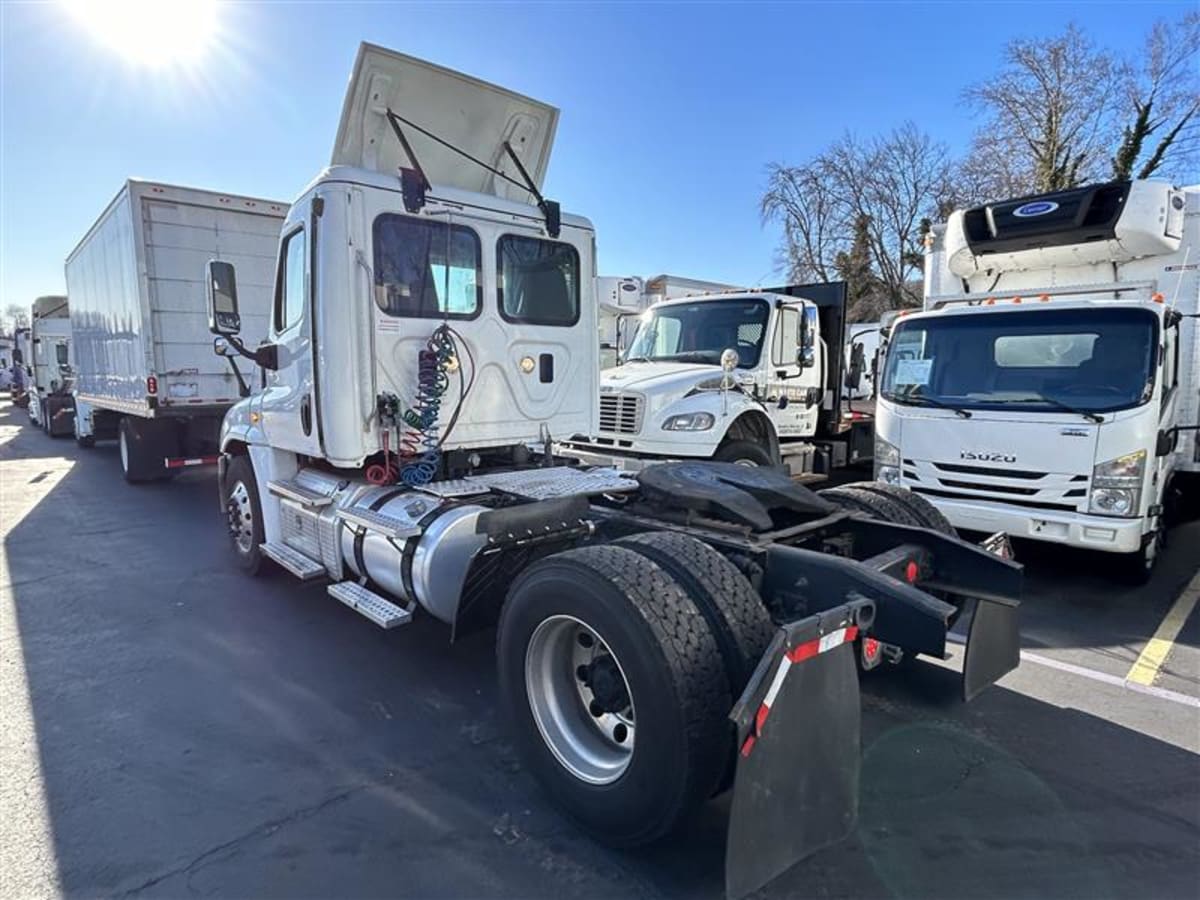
<point x="303" y="567"/>
<point x="298" y="493"/>
<point x="366" y="602"/>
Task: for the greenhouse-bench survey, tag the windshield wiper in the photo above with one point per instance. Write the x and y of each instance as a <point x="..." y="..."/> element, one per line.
<point x="915" y="399"/>
<point x="1053" y="401"/>
<point x="630" y="359"/>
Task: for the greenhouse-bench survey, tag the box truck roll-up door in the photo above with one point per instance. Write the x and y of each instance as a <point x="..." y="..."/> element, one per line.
<point x="180" y="239"/>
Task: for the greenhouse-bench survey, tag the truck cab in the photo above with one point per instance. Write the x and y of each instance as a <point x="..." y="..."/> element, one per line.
<point x="1049" y="389"/>
<point x="747" y="376"/>
<point x="50" y="404"/>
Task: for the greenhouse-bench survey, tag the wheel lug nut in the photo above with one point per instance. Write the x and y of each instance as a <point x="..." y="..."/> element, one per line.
<point x="582" y="674"/>
<point x="595" y="709"/>
<point x="585" y="639"/>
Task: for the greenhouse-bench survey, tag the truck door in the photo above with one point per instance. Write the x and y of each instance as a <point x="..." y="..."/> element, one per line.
<point x="288" y="401"/>
<point x="793" y="391"/>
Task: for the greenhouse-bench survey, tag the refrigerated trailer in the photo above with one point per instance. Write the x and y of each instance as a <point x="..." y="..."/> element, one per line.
<point x="145" y="373"/>
<point x="661" y="638"/>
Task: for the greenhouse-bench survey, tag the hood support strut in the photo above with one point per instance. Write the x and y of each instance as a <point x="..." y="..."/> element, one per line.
<point x="415" y="184"/>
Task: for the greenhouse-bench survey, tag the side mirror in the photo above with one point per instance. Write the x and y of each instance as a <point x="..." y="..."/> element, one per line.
<point x="222" y="347"/>
<point x="1167" y="442"/>
<point x="854" y="371"/>
<point x="806" y="338"/>
<point x="221" y="288"/>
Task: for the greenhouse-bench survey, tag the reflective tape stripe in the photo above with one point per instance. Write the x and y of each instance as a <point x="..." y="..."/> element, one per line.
<point x="180" y="462"/>
<point x="799" y="653"/>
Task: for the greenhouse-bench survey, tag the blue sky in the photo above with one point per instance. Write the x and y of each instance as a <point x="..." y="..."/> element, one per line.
<point x="670" y="112"/>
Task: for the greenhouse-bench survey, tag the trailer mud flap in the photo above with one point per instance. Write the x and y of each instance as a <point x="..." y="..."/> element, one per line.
<point x="798" y="733"/>
<point x="993" y="645"/>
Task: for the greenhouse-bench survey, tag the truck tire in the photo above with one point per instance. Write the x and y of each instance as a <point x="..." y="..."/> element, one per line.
<point x="876" y="506"/>
<point x="141" y="451"/>
<point x="243" y="514"/>
<point x="597" y="644"/>
<point x="744" y="453"/>
<point x="733" y="609"/>
<point x="928" y="514"/>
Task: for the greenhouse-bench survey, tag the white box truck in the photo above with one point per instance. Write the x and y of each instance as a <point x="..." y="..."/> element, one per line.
<point x="145" y="373"/>
<point x="647" y="627"/>
<point x="50" y="404"/>
<point x="1051" y="387"/>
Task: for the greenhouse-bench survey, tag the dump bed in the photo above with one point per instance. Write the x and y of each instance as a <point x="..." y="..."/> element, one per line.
<point x="136" y="283"/>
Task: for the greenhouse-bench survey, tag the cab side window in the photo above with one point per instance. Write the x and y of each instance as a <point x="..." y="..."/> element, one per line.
<point x="783" y="348"/>
<point x="289" y="290"/>
<point x="538" y="280"/>
<point x="1170" y="364"/>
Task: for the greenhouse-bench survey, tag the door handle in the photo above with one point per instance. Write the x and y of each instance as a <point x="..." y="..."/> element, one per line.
<point x="306" y="414"/>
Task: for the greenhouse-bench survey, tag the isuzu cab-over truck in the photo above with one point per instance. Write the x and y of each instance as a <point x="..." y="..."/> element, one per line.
<point x="660" y="638"/>
<point x="1051" y="387"/>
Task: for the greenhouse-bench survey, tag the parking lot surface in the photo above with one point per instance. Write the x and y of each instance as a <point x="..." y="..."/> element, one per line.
<point x="171" y="727"/>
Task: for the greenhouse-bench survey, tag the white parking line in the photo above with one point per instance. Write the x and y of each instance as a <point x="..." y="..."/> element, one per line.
<point x="1117" y="680"/>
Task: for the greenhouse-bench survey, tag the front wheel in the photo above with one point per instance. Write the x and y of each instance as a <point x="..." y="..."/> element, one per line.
<point x="243" y="514"/>
<point x="615" y="688"/>
<point x="743" y="453"/>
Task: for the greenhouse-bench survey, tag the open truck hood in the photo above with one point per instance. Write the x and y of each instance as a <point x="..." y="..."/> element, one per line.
<point x="470" y="114"/>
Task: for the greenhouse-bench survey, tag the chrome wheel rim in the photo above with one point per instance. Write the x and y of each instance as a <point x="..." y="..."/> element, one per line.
<point x="748" y="463"/>
<point x="241" y="517"/>
<point x="580" y="699"/>
<point x="124" y="445"/>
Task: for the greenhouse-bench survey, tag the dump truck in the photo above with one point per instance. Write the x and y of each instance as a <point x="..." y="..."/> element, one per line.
<point x="660" y="638"/>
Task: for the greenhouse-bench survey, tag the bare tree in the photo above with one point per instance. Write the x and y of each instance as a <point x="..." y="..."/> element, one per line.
<point x="860" y="207"/>
<point x="1161" y="96"/>
<point x="17" y="316"/>
<point x="1052" y="108"/>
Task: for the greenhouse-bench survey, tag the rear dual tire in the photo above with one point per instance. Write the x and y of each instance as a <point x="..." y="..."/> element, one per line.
<point x="889" y="503"/>
<point x="143" y="446"/>
<point x="655" y="642"/>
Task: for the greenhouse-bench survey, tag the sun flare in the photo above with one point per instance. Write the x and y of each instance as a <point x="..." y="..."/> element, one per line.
<point x="148" y="33"/>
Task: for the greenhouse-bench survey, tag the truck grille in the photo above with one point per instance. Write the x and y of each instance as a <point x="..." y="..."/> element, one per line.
<point x="1012" y="487"/>
<point x="621" y="413"/>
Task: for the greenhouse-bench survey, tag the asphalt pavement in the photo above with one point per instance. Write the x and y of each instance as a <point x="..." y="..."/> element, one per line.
<point x="170" y="727"/>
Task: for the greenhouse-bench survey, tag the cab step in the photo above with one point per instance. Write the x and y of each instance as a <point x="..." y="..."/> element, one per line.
<point x="379" y="610"/>
<point x="303" y="567"/>
<point x="381" y="523"/>
<point x="291" y="490"/>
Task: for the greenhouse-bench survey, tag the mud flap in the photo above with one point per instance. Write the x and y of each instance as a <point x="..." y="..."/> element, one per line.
<point x="798" y="733"/>
<point x="993" y="645"/>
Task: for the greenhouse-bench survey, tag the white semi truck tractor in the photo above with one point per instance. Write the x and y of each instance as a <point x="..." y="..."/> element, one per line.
<point x="1051" y="387"/>
<point x="51" y="406"/>
<point x="659" y="638"/>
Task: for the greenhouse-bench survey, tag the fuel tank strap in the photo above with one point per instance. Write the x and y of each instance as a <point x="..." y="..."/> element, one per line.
<point x="410" y="545"/>
<point x="360" y="535"/>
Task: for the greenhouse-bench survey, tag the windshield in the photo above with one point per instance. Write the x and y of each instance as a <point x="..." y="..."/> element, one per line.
<point x="1084" y="360"/>
<point x="701" y="332"/>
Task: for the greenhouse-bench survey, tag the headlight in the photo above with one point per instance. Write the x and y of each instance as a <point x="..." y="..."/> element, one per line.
<point x="1117" y="485"/>
<point x="699" y="421"/>
<point x="887" y="461"/>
